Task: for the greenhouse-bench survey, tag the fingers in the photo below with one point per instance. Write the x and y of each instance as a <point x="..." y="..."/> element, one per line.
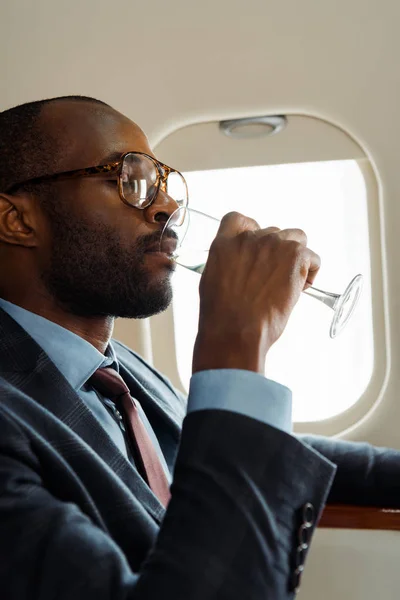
<point x="267" y="231"/>
<point x="313" y="265"/>
<point x="310" y="261"/>
<point x="253" y="278"/>
<point x="235" y="223"/>
<point x="295" y="235"/>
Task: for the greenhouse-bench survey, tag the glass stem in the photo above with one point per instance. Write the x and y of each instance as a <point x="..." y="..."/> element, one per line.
<point x="325" y="297"/>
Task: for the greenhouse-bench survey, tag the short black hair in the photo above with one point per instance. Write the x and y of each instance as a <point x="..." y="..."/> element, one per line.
<point x="27" y="149"/>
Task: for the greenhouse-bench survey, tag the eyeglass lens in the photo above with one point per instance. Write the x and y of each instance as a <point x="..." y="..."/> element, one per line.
<point x="139" y="176"/>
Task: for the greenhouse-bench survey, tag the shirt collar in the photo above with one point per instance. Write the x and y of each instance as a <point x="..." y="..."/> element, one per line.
<point x="74" y="357"/>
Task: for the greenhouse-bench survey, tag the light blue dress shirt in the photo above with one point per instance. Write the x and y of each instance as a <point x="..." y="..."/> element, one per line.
<point x="77" y="360"/>
<point x="234" y="390"/>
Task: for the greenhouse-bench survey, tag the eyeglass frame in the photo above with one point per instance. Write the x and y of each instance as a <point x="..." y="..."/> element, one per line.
<point x="113" y="168"/>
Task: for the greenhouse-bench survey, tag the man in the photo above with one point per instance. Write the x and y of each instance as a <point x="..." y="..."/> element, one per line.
<point x="89" y="432"/>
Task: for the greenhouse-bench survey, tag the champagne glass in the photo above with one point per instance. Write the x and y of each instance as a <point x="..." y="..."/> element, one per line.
<point x="194" y="232"/>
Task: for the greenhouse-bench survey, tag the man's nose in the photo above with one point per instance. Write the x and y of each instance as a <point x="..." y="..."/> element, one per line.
<point x="161" y="209"/>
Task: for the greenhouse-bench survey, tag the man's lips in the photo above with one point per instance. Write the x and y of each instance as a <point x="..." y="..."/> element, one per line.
<point x="167" y="246"/>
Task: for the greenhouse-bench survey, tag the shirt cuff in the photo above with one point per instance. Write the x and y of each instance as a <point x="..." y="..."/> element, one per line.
<point x="244" y="392"/>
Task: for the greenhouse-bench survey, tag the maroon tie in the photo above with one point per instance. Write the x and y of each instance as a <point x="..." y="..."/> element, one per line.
<point x="111" y="385"/>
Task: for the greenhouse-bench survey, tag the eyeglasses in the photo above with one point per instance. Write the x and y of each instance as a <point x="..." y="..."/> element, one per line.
<point x="140" y="177"/>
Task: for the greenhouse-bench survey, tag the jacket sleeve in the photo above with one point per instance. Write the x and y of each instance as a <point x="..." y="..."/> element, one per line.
<point x="230" y="531"/>
<point x="366" y="475"/>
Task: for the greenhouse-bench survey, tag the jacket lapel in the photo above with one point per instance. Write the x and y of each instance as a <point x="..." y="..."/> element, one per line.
<point x="25" y="365"/>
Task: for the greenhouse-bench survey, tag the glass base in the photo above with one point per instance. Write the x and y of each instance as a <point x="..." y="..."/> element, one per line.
<point x="345" y="305"/>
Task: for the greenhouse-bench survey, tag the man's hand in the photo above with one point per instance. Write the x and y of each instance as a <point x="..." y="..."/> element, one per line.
<point x="252" y="280"/>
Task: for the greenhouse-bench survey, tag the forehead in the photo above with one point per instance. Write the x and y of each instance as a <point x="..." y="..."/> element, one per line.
<point x="87" y="133"/>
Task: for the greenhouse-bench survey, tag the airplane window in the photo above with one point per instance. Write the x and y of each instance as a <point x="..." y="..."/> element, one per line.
<point x="329" y="201"/>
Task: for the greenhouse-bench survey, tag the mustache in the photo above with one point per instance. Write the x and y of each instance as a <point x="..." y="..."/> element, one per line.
<point x="145" y="242"/>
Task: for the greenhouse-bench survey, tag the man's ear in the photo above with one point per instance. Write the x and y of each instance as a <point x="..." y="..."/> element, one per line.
<point x="17" y="220"/>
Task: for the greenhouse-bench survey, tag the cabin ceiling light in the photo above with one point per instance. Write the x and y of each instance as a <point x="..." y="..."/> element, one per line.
<point x="253" y="127"/>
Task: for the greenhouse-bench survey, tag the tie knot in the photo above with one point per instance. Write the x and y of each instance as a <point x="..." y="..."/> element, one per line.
<point x="109" y="383"/>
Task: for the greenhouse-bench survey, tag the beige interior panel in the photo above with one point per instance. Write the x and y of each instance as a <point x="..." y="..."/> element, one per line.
<point x="135" y="333"/>
<point x="348" y="564"/>
<point x="304" y="139"/>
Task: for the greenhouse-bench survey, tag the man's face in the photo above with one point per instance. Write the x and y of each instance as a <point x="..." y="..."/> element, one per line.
<point x="96" y="260"/>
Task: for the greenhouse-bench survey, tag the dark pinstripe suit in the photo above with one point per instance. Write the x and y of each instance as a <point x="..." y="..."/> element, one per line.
<point x="77" y="521"/>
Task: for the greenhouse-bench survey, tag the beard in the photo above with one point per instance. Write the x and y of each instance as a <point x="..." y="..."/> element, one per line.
<point x="92" y="274"/>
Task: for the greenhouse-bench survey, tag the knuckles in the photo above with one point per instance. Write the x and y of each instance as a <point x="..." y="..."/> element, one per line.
<point x="299" y="235"/>
<point x="286" y="245"/>
<point x="276" y="243"/>
<point x="295" y="248"/>
<point x="239" y="221"/>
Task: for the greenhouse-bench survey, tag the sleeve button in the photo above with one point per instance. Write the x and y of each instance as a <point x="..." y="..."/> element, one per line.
<point x="308" y="513"/>
<point x="301" y="555"/>
<point x="304" y="534"/>
<point x="297" y="578"/>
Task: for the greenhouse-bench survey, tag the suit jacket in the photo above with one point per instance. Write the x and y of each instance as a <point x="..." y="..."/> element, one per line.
<point x="78" y="522"/>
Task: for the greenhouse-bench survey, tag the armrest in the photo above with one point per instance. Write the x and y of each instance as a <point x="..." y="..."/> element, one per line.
<point x="342" y="516"/>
